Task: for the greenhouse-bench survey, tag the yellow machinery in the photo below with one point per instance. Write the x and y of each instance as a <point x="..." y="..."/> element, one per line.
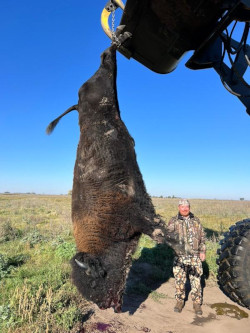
<point x="164" y="30"/>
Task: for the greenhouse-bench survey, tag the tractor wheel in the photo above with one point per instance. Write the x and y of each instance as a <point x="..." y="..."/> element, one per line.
<point x="234" y="263"/>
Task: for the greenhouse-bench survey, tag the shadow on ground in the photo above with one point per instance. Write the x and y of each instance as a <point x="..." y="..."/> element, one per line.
<point x="148" y="273"/>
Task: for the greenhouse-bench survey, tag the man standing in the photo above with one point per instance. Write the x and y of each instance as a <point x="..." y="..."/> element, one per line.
<point x="189" y="263"/>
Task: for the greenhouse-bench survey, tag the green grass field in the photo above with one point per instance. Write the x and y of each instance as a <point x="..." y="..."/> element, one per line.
<point x="36" y="243"/>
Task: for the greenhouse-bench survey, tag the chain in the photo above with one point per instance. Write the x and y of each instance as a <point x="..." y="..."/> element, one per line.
<point x="114" y="37"/>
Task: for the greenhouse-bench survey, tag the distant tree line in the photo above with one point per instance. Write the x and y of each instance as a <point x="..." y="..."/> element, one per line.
<point x="169" y="196"/>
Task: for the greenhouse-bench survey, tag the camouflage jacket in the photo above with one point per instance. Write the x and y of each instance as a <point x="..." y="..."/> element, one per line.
<point x="190" y="232"/>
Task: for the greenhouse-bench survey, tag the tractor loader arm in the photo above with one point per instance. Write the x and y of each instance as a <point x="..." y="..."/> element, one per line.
<point x="162" y="31"/>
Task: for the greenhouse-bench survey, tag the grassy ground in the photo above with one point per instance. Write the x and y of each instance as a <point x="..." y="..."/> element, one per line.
<point x="36" y="243"/>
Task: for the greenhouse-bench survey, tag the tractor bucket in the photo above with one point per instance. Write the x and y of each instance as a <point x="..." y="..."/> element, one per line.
<point x="162" y="31"/>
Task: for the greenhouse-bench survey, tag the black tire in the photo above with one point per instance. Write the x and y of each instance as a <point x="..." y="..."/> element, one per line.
<point x="234" y="263"/>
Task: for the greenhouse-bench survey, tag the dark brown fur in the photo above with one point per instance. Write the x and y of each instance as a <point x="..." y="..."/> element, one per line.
<point x="110" y="205"/>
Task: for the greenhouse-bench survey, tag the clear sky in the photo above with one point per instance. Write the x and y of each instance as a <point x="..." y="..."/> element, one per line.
<point x="192" y="136"/>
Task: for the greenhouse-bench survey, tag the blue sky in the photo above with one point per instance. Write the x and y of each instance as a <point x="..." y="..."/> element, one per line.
<point x="192" y="136"/>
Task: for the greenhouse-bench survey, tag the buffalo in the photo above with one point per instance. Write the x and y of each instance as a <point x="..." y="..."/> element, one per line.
<point x="110" y="204"/>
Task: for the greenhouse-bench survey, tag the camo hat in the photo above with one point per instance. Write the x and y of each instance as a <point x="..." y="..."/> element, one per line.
<point x="184" y="202"/>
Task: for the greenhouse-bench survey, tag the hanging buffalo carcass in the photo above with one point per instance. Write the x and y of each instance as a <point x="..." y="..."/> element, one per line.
<point x="110" y="205"/>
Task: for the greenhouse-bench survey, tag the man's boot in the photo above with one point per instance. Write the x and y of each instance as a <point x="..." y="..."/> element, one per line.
<point x="179" y="306"/>
<point x="197" y="308"/>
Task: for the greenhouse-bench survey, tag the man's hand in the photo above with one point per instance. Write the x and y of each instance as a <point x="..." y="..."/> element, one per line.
<point x="158" y="236"/>
<point x="158" y="232"/>
<point x="202" y="256"/>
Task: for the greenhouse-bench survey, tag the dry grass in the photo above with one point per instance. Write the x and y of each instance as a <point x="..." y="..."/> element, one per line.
<point x="44" y="213"/>
<point x="215" y="215"/>
<point x="53" y="214"/>
<point x="36" y="294"/>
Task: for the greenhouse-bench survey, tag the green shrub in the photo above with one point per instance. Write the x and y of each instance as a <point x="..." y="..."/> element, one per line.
<point x="211" y="254"/>
<point x="144" y="242"/>
<point x="65" y="250"/>
<point x="5" y="315"/>
<point x="34" y="237"/>
<point x="8" y="232"/>
<point x="4" y="266"/>
<point x="8" y="263"/>
<point x="67" y="317"/>
<point x="157" y="297"/>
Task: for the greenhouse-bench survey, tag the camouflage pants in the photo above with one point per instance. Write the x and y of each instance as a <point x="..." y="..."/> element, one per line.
<point x="188" y="266"/>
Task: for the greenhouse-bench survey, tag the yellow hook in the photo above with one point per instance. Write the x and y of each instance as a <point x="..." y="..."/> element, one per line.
<point x="106" y="13"/>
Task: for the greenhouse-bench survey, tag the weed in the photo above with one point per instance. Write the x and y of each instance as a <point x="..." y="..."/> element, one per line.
<point x="144" y="242"/>
<point x="4" y="266"/>
<point x="36" y="243"/>
<point x="8" y="263"/>
<point x="8" y="232"/>
<point x="211" y="253"/>
<point x="66" y="318"/>
<point x="5" y="315"/>
<point x="157" y="297"/>
<point x="33" y="238"/>
<point x="65" y="250"/>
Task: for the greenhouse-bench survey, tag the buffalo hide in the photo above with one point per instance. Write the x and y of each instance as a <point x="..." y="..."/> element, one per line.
<point x="110" y="205"/>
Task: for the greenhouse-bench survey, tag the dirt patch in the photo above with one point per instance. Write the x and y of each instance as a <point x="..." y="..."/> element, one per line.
<point x="156" y="315"/>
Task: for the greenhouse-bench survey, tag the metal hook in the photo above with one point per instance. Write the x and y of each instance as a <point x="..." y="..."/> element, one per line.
<point x="110" y="7"/>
